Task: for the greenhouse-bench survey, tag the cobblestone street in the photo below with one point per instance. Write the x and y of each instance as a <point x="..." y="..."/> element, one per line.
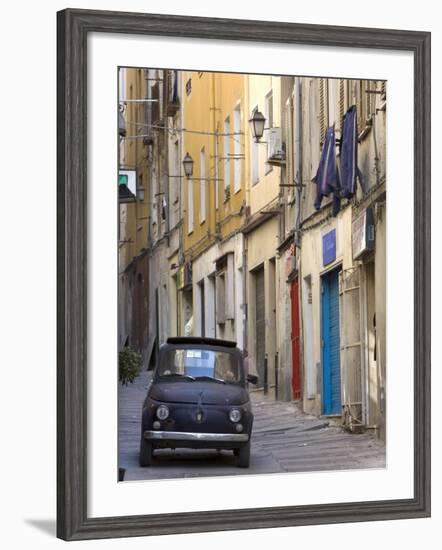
<point x="283" y="440"/>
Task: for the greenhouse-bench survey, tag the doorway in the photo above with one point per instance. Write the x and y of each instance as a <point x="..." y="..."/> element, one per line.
<point x="331" y="362"/>
<point x="295" y="334"/>
<point x="260" y="326"/>
<point x="202" y="304"/>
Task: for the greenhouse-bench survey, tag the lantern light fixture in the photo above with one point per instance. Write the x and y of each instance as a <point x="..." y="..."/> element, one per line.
<point x="188" y="165"/>
<point x="140" y="193"/>
<point x="257" y="123"/>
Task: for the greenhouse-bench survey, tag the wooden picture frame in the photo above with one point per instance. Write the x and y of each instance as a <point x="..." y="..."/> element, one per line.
<point x="73" y="29"/>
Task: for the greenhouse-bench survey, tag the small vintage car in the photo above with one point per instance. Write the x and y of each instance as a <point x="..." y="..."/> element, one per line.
<point x="198" y="398"/>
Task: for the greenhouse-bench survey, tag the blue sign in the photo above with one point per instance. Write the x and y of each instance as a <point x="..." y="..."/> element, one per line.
<point x="329" y="247"/>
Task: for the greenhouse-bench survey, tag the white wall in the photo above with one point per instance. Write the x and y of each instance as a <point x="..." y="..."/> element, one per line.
<point x="28" y="457"/>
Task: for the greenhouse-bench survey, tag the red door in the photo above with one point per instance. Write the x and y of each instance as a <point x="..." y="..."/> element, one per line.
<point x="296" y="355"/>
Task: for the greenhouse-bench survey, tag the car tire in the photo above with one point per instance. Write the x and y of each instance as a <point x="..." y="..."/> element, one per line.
<point x="244" y="456"/>
<point x="146" y="453"/>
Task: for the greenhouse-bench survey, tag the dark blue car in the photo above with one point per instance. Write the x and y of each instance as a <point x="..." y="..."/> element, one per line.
<point x="198" y="399"/>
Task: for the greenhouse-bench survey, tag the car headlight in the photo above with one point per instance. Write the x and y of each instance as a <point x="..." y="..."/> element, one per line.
<point x="162" y="412"/>
<point x="235" y="415"/>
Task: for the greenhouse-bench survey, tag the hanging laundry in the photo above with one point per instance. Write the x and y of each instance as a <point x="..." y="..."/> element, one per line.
<point x="327" y="176"/>
<point x="349" y="154"/>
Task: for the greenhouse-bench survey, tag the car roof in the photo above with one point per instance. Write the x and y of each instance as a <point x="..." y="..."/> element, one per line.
<point x="201" y="340"/>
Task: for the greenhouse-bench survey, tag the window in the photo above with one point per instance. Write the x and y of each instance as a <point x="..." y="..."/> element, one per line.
<point x="323" y="108"/>
<point x="237" y="149"/>
<point x="255" y="157"/>
<point x="198" y="362"/>
<point x="343" y="101"/>
<point x="202" y="185"/>
<point x="155" y="104"/>
<point x="220" y="308"/>
<point x="269" y="122"/>
<point x="190" y="205"/>
<point x="290" y="149"/>
<point x="174" y="188"/>
<point x="122" y="84"/>
<point x="269" y="109"/>
<point x="227" y="153"/>
<point x="364" y="103"/>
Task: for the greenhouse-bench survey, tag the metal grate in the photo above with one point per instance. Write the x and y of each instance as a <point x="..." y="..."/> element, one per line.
<point x="351" y="348"/>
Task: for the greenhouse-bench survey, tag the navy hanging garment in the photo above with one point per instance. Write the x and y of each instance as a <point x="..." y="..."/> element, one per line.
<point x="349" y="154"/>
<point x="327" y="178"/>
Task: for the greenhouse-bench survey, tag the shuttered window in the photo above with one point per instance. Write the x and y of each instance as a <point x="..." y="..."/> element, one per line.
<point x="230" y="287"/>
<point x="323" y="108"/>
<point x="225" y="289"/>
<point x="342" y="102"/>
<point x="268" y="123"/>
<point x="237" y="149"/>
<point x="220" y="308"/>
<point x="190" y="205"/>
<point x="227" y="153"/>
<point x="365" y="102"/>
<point x="202" y="185"/>
<point x="289" y="148"/>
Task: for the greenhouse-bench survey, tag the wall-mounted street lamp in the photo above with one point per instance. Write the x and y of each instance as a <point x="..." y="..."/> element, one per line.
<point x="188" y="165"/>
<point x="140" y="193"/>
<point x="257" y="123"/>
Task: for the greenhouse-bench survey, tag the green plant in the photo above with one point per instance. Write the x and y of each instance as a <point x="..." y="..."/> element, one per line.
<point x="130" y="364"/>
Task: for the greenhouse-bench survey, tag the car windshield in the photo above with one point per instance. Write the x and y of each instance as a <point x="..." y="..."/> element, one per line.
<point x="197" y="363"/>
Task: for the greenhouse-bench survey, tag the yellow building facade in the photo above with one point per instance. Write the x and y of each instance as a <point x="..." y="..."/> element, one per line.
<point x="214" y="126"/>
<point x="213" y="135"/>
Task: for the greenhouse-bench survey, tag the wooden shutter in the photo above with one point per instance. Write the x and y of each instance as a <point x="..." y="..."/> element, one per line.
<point x="323" y="108"/>
<point x="341" y="110"/>
<point x="289" y="147"/>
<point x="155" y="105"/>
<point x="368" y="98"/>
<point x="230" y="288"/>
<point x="220" y="298"/>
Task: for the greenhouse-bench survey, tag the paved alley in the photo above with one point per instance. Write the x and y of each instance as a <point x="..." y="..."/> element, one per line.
<point x="283" y="440"/>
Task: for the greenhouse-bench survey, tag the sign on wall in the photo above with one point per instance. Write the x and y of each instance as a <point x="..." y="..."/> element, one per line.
<point x="129" y="178"/>
<point x="362" y="233"/>
<point x="329" y="247"/>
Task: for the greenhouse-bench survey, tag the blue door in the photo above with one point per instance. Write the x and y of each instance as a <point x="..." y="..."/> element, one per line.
<point x="331" y="364"/>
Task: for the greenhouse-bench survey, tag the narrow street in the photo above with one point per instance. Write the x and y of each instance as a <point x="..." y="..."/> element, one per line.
<point x="284" y="440"/>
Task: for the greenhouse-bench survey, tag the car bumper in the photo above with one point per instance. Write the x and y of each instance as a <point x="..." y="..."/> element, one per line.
<point x="196" y="437"/>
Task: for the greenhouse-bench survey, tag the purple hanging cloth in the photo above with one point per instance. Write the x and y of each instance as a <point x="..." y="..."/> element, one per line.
<point x="327" y="177"/>
<point x="349" y="154"/>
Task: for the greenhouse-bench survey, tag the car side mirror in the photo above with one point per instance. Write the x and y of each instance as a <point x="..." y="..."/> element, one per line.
<point x="252" y="378"/>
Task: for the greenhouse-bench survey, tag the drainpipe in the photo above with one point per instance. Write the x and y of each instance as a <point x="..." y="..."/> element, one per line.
<point x="212" y="189"/>
<point x="298" y="159"/>
<point x="166" y="157"/>
<point x="375" y="145"/>
<point x="244" y="293"/>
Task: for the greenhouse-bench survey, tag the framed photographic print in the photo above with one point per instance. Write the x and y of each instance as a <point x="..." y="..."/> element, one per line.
<point x="243" y="274"/>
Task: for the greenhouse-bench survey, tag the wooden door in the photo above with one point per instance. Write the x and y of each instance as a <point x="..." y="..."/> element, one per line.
<point x="295" y="337"/>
